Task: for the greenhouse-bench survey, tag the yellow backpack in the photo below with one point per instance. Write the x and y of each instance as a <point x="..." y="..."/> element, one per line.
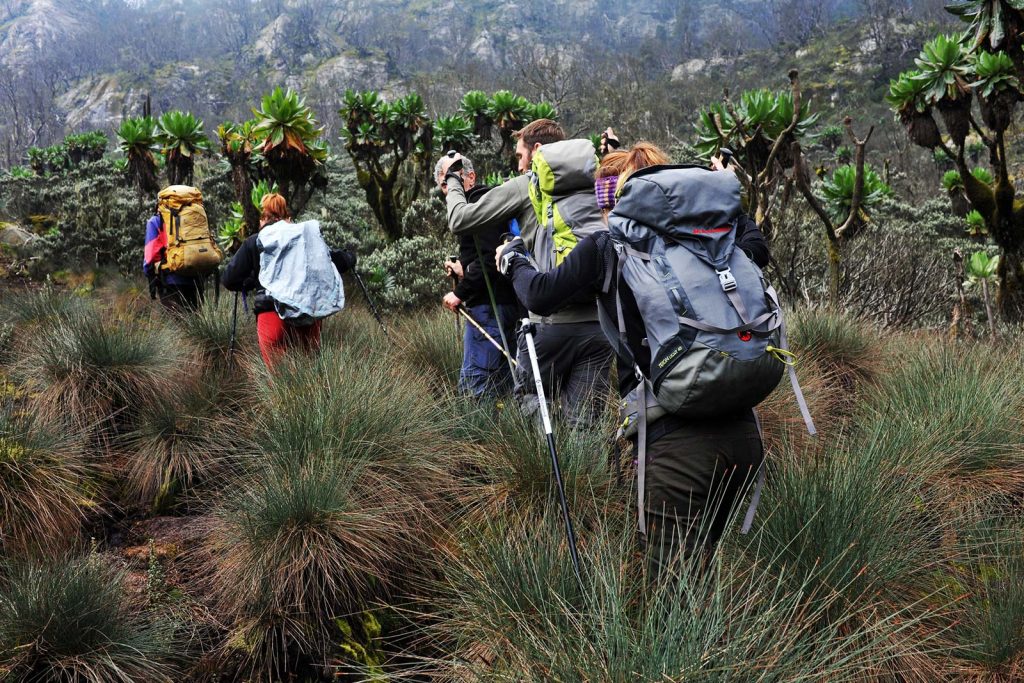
<point x="191" y="249"/>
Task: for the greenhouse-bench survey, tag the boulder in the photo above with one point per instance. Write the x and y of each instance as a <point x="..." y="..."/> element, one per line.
<point x="14" y="236"/>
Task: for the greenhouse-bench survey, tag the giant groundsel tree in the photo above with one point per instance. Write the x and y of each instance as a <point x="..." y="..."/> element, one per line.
<point x="977" y="71"/>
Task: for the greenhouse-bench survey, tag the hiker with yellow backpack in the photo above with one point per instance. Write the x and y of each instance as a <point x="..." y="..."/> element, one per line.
<point x="180" y="252"/>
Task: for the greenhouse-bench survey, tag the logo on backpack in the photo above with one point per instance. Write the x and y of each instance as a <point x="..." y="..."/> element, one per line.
<point x="562" y="193"/>
<point x="191" y="249"/>
<point x="712" y="321"/>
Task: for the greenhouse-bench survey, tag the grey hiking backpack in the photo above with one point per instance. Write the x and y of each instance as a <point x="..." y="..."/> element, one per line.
<point x="562" y="194"/>
<point x="712" y="322"/>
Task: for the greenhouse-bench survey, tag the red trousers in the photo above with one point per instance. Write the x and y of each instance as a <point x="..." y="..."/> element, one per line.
<point x="275" y="337"/>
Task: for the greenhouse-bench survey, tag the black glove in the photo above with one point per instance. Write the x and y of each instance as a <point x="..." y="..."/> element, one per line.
<point x="344" y="259"/>
<point x="453" y="175"/>
<point x="512" y="252"/>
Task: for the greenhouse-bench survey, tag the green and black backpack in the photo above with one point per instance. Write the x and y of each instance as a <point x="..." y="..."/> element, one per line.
<point x="562" y="193"/>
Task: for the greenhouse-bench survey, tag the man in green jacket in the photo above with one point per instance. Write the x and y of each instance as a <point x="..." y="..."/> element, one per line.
<point x="572" y="353"/>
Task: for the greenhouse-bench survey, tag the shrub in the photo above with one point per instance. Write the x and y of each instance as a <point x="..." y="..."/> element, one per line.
<point x="44" y="481"/>
<point x="71" y="620"/>
<point x="408" y="273"/>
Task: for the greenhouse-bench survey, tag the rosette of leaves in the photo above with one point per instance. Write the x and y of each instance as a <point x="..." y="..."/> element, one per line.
<point x="232" y="233"/>
<point x="36" y="160"/>
<point x="236" y="144"/>
<point x="453" y="132"/>
<point x="991" y="21"/>
<point x="288" y="135"/>
<point x="509" y="112"/>
<point x="831" y="137"/>
<point x="998" y="88"/>
<point x="85" y="147"/>
<point x="976" y="227"/>
<point x="20" y="172"/>
<point x="751" y="127"/>
<point x="906" y="95"/>
<point x="945" y="71"/>
<point x="408" y="124"/>
<point x="476" y="106"/>
<point x="542" y="110"/>
<point x="180" y="136"/>
<point x="136" y="138"/>
<point x="953" y="184"/>
<point x="983" y="175"/>
<point x="839" y="190"/>
<point x="261" y="190"/>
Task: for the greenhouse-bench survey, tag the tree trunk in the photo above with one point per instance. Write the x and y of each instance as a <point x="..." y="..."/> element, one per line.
<point x="242" y="183"/>
<point x="988" y="309"/>
<point x="1010" y="299"/>
<point x="834" y="273"/>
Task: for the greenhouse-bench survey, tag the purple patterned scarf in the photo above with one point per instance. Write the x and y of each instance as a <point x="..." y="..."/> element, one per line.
<point x="604" y="188"/>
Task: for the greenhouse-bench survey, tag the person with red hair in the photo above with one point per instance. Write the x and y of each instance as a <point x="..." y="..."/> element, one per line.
<point x="242" y="274"/>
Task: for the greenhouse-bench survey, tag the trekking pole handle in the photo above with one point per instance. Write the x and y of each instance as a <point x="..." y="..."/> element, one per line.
<point x="528" y="329"/>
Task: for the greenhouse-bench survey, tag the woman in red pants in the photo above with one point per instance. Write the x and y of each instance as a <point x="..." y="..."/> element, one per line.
<point x="242" y="274"/>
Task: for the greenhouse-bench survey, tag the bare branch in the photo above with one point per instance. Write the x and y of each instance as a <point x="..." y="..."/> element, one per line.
<point x="794" y="83"/>
<point x="858" y="183"/>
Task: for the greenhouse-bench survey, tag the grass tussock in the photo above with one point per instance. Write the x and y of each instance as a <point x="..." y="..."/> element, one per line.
<point x="843" y="346"/>
<point x="514" y="611"/>
<point x="91" y="367"/>
<point x="44" y="482"/>
<point x="960" y="409"/>
<point x="347" y="405"/>
<point x="71" y="621"/>
<point x="355" y="330"/>
<point x="189" y="437"/>
<point x="431" y="346"/>
<point x="509" y="471"/>
<point x="296" y="547"/>
<point x="210" y="329"/>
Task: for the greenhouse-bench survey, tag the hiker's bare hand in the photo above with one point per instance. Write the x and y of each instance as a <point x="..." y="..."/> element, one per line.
<point x="453" y="268"/>
<point x="450" y="301"/>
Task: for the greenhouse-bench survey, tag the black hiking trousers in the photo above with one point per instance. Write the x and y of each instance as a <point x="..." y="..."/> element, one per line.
<point x="696" y="474"/>
<point x="574" y="360"/>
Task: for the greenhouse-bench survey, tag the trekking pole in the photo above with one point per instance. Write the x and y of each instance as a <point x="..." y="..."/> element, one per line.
<point x="455" y="283"/>
<point x="462" y="309"/>
<point x="373" y="309"/>
<point x="234" y="328"/>
<point x="494" y="304"/>
<point x="528" y="330"/>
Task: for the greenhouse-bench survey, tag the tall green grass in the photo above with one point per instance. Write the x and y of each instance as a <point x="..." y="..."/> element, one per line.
<point x="959" y="409"/>
<point x="71" y="620"/>
<point x="210" y="328"/>
<point x="514" y="611"/>
<point x="430" y="345"/>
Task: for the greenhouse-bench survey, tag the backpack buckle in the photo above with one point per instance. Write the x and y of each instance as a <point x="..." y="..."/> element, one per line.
<point x="726" y="279"/>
